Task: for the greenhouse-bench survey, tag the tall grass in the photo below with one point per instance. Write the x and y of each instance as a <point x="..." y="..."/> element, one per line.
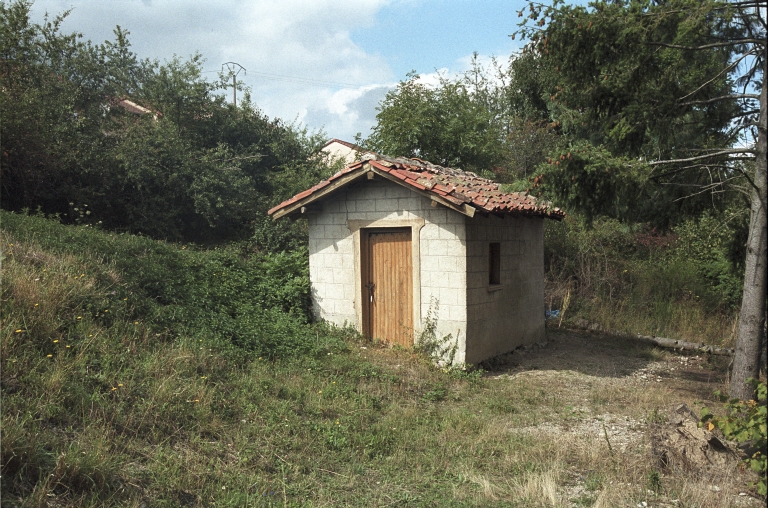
<point x="66" y="279"/>
<point x="140" y="373"/>
<point x="627" y="278"/>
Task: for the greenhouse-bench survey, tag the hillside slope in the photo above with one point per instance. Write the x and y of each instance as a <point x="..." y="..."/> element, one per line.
<point x="140" y="373"/>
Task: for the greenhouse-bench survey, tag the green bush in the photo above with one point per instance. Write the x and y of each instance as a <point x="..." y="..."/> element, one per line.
<point x="708" y="243"/>
<point x="745" y="422"/>
<point x="636" y="279"/>
<point x="440" y="350"/>
<point x="259" y="302"/>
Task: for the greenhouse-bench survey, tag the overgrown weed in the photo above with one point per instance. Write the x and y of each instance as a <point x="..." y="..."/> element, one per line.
<point x="141" y="408"/>
<point x="626" y="278"/>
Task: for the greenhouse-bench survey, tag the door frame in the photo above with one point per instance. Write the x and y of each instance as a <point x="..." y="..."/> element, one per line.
<point x="359" y="235"/>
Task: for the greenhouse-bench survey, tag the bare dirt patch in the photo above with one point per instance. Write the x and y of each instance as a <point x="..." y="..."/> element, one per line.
<point x="621" y="398"/>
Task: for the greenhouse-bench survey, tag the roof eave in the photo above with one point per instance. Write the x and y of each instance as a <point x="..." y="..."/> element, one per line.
<point x="374" y="167"/>
<point x="338" y="183"/>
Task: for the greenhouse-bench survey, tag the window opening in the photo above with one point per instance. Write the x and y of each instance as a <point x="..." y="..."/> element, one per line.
<point x="494" y="264"/>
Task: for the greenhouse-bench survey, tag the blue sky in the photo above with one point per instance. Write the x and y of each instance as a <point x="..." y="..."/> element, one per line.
<point x="322" y="63"/>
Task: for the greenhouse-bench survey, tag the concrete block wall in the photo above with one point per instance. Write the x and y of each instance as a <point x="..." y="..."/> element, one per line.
<point x="501" y="318"/>
<point x="442" y="271"/>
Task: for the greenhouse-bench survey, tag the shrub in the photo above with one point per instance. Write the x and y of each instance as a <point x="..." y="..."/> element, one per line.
<point x="745" y="423"/>
<point x="632" y="278"/>
<point x="259" y="302"/>
<point x="440" y="350"/>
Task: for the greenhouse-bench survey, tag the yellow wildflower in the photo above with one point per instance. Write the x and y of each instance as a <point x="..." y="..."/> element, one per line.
<point x="19" y="330"/>
<point x="119" y="384"/>
<point x="49" y="356"/>
<point x="55" y="341"/>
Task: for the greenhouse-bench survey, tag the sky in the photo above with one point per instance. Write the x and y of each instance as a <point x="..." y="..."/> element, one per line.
<point x="323" y="64"/>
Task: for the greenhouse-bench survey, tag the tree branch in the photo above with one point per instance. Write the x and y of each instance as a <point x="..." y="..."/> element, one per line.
<point x="708" y="187"/>
<point x="759" y="42"/>
<point x="727" y="69"/>
<point x="705" y="156"/>
<point x="747" y="113"/>
<point x="724" y="97"/>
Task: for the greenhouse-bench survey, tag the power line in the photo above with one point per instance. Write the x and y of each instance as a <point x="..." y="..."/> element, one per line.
<point x="308" y="81"/>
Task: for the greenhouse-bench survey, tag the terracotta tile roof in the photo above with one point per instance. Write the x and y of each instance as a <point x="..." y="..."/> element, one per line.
<point x="345" y="143"/>
<point x="132" y="107"/>
<point x="447" y="185"/>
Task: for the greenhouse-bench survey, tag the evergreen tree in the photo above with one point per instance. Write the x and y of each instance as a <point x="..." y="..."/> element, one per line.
<point x="661" y="92"/>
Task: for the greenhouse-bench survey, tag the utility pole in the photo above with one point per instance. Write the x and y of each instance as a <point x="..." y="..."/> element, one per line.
<point x="234" y="69"/>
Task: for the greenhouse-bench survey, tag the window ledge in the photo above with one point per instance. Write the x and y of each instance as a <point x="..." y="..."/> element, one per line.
<point x="495" y="287"/>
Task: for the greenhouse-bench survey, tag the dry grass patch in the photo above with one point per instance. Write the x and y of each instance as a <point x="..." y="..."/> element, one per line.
<point x="131" y="414"/>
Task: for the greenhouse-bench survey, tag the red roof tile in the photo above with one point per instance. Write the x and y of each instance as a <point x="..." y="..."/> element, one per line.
<point x="453" y="185"/>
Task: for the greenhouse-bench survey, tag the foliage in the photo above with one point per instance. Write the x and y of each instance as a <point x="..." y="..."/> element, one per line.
<point x="195" y="168"/>
<point x="712" y="243"/>
<point x="440" y="350"/>
<point x="445" y="125"/>
<point x="594" y="182"/>
<point x="745" y="422"/>
<point x="634" y="278"/>
<point x="610" y="76"/>
<point x="259" y="302"/>
<point x="476" y="121"/>
<point x="618" y="85"/>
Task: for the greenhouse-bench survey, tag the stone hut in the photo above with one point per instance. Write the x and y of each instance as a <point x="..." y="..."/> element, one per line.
<point x="392" y="240"/>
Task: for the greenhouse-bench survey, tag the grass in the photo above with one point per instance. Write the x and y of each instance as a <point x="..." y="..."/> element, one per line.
<point x="628" y="280"/>
<point x="134" y="407"/>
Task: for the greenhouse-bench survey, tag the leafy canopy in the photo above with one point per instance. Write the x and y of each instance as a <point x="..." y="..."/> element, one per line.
<point x="626" y="78"/>
<point x="194" y="168"/>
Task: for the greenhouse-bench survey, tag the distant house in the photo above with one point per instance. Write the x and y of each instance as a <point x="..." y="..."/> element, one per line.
<point x="339" y="149"/>
<point x="130" y="106"/>
<point x="392" y="238"/>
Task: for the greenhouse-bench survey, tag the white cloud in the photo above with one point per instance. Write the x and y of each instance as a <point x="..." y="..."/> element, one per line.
<point x="300" y="59"/>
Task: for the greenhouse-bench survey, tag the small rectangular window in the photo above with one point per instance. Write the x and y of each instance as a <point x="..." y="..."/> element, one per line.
<point x="494" y="264"/>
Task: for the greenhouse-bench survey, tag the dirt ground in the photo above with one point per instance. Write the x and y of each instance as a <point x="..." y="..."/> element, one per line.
<point x="641" y="400"/>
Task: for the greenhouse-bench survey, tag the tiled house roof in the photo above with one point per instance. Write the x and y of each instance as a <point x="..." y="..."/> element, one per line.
<point x="132" y="107"/>
<point x="349" y="145"/>
<point x="459" y="190"/>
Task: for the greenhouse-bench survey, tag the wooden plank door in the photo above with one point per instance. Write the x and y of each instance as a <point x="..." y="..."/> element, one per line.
<point x="388" y="286"/>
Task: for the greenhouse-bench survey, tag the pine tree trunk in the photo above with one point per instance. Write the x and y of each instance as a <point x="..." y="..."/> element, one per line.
<point x="746" y="361"/>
